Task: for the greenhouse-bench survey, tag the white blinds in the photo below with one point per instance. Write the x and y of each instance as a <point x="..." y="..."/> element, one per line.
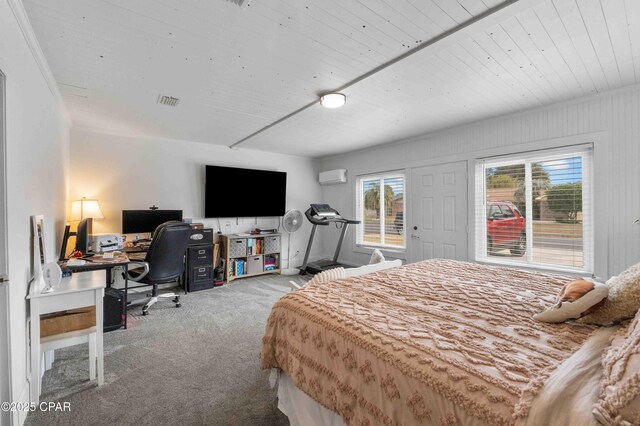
<point x="536" y="208"/>
<point x="380" y="206"/>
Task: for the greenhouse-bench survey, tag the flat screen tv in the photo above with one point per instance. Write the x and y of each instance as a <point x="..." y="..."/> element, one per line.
<point x="235" y="192"/>
<point x="143" y="221"/>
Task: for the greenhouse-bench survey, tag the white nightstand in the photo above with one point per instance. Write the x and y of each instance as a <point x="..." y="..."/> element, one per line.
<point x="78" y="291"/>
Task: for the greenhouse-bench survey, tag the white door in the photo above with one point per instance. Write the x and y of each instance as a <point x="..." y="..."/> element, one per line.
<point x="5" y="379"/>
<point x="3" y="187"/>
<point x="439" y="212"/>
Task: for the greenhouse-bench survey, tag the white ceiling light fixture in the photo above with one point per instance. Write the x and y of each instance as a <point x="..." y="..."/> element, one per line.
<point x="333" y="100"/>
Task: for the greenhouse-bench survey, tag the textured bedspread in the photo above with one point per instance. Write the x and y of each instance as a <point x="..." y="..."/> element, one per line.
<point x="436" y="342"/>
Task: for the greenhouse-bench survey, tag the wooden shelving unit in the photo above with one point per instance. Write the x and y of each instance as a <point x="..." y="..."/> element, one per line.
<point x="251" y="255"/>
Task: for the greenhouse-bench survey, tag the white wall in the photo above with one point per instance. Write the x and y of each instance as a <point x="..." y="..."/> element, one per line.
<point x="37" y="157"/>
<point x="611" y="119"/>
<point x="133" y="173"/>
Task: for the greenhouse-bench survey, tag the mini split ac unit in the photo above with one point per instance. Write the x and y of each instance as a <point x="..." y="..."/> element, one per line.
<point x="333" y="176"/>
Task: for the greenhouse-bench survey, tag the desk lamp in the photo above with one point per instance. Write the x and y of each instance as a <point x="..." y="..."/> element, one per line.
<point x="84" y="211"/>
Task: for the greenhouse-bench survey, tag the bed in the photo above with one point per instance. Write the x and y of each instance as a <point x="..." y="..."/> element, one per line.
<point x="434" y="342"/>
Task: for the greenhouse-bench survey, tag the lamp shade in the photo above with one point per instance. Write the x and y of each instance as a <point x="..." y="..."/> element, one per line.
<point x="85" y="209"/>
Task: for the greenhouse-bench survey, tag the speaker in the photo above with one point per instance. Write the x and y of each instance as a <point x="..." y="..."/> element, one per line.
<point x="114" y="309"/>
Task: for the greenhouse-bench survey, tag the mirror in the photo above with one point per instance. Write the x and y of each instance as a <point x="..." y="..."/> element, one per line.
<point x="39" y="259"/>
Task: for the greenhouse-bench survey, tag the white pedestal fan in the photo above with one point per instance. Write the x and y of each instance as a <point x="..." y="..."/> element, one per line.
<point x="291" y="222"/>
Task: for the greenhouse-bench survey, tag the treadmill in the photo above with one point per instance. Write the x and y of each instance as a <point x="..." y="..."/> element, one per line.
<point x="323" y="215"/>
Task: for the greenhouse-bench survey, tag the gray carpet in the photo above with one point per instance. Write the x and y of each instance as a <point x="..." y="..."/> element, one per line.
<point x="198" y="364"/>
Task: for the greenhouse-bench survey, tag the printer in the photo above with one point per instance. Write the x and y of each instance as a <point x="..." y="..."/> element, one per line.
<point x="101" y="243"/>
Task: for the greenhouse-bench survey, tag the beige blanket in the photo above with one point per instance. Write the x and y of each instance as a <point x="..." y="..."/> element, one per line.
<point x="435" y="342"/>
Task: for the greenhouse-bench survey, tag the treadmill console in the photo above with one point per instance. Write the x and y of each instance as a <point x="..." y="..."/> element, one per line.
<point x="323" y="210"/>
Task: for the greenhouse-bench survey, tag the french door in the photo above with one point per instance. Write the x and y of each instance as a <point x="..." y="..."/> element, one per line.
<point x="439" y="212"/>
<point x="5" y="379"/>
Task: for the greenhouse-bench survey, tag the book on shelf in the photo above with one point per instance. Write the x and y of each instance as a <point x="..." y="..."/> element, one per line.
<point x="254" y="246"/>
<point x="239" y="267"/>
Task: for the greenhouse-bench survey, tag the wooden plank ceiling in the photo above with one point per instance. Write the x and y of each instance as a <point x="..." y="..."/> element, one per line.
<point x="237" y="70"/>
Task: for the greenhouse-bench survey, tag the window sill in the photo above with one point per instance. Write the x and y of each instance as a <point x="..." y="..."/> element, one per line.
<point x="536" y="268"/>
<point x="394" y="252"/>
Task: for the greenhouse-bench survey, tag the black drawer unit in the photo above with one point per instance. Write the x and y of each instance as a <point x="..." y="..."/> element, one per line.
<point x="198" y="271"/>
<point x="200" y="255"/>
<point x="201" y="273"/>
<point x="200" y="278"/>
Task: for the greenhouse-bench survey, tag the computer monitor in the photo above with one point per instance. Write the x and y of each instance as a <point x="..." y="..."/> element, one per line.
<point x="65" y="239"/>
<point x="83" y="235"/>
<point x="143" y="221"/>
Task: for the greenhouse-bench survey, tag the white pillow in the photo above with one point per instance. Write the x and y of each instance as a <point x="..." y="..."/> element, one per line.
<point x="574" y="310"/>
<point x="623" y="301"/>
<point x="328" y="275"/>
<point x="367" y="269"/>
<point x="376" y="257"/>
<point x="619" y="402"/>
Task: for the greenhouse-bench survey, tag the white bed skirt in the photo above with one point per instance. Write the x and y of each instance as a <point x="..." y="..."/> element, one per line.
<point x="301" y="409"/>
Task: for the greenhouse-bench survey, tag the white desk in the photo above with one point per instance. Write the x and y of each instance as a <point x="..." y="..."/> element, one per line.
<point x="80" y="290"/>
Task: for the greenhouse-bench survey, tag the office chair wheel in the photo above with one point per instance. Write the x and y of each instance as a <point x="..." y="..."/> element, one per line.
<point x="178" y="304"/>
<point x="176" y="299"/>
<point x="145" y="311"/>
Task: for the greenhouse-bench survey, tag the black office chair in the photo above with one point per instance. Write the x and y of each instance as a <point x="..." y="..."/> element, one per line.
<point x="164" y="262"/>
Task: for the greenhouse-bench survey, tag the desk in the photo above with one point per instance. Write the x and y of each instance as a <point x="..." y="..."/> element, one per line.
<point x="136" y="249"/>
<point x="73" y="292"/>
<point x="136" y="253"/>
<point x="97" y="263"/>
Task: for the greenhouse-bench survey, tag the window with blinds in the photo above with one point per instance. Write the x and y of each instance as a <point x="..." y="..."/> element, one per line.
<point x="536" y="209"/>
<point x="380" y="206"/>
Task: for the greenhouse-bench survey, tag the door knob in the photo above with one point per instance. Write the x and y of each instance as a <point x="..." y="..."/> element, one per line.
<point x="415" y="228"/>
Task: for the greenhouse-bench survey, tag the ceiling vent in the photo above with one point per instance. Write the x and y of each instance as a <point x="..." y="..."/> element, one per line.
<point x="240" y="3"/>
<point x="168" y="100"/>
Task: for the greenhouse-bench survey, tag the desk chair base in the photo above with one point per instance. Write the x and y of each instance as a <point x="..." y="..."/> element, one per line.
<point x="153" y="298"/>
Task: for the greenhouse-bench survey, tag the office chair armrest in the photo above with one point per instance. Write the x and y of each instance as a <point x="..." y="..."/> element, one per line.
<point x="145" y="265"/>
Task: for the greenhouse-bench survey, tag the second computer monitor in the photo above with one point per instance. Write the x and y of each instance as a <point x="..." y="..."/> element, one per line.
<point x="142" y="221"/>
<point x="83" y="235"/>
